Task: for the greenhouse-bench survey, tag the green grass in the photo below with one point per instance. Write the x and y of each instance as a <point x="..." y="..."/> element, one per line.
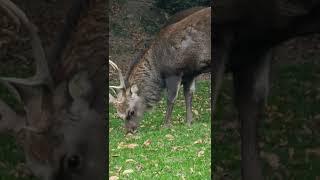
<point x="180" y="152"/>
<point x="290" y="131"/>
<point x="11" y="155"/>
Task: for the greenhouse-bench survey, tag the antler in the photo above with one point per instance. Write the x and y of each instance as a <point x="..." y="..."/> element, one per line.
<point x="42" y="75"/>
<point x="122" y="85"/>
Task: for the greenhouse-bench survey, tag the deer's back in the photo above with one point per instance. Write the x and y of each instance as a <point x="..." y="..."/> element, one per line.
<point x="185" y="46"/>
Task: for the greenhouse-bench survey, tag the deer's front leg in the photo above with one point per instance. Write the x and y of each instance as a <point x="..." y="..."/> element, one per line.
<point x="173" y="85"/>
<point x="251" y="89"/>
<point x="188" y="90"/>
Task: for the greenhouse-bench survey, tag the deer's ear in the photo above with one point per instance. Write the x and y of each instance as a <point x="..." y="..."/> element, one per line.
<point x="134" y="89"/>
<point x="111" y="99"/>
<point x="79" y="86"/>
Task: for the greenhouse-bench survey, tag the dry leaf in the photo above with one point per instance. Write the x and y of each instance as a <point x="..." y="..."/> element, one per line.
<point x="130" y="160"/>
<point x="113" y="178"/>
<point x="200" y="153"/>
<point x="176" y="148"/>
<point x="170" y="137"/>
<point x="139" y="167"/>
<point x="195" y="112"/>
<point x="272" y="159"/>
<point x="132" y="146"/>
<point x="128" y="171"/>
<point x="121" y="145"/>
<point x="199" y="141"/>
<point x="147" y="142"/>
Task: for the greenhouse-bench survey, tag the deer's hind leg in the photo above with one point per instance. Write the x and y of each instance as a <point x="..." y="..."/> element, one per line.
<point x="188" y="90"/>
<point x="173" y="85"/>
<point x="251" y="89"/>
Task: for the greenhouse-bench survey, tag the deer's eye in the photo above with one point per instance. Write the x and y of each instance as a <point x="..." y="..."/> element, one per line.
<point x="74" y="162"/>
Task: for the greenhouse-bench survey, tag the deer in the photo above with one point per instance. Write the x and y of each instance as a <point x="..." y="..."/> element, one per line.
<point x="62" y="126"/>
<point x="244" y="35"/>
<point x="180" y="52"/>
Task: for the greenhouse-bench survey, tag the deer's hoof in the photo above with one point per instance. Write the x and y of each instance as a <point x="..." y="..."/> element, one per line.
<point x="189" y="123"/>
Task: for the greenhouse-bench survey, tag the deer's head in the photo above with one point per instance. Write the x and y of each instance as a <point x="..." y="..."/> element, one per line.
<point x="60" y="131"/>
<point x="128" y="102"/>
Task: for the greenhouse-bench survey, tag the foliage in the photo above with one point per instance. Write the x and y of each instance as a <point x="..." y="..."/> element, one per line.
<point x="173" y="6"/>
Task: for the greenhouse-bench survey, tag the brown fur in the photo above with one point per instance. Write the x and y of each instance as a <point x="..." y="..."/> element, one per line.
<point x="182" y="48"/>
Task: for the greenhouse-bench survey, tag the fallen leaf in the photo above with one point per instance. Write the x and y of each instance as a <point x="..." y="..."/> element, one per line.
<point x="132" y="146"/>
<point x="121" y="145"/>
<point x="176" y="148"/>
<point x="127" y="171"/>
<point x="113" y="178"/>
<point x="130" y="160"/>
<point x="195" y="112"/>
<point x="272" y="159"/>
<point x="147" y="142"/>
<point x="200" y="153"/>
<point x="139" y="167"/>
<point x="199" y="141"/>
<point x="169" y="137"/>
<point x="191" y="170"/>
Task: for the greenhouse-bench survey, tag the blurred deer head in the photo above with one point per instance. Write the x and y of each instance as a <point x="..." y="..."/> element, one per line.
<point x="60" y="130"/>
<point x="127" y="102"/>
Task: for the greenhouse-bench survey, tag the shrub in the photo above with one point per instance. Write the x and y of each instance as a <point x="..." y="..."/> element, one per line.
<point x="173" y="6"/>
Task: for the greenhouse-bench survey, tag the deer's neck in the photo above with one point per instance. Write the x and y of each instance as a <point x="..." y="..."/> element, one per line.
<point x="147" y="77"/>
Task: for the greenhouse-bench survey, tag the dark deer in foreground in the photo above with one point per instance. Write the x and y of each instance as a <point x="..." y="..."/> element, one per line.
<point x="244" y="34"/>
<point x="181" y="51"/>
<point x="62" y="128"/>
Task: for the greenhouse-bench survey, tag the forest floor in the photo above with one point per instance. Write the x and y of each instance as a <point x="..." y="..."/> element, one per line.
<point x="289" y="134"/>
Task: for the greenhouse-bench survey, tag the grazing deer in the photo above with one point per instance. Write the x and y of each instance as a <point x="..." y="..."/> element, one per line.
<point x="180" y="52"/>
<point x="244" y="34"/>
<point x="62" y="128"/>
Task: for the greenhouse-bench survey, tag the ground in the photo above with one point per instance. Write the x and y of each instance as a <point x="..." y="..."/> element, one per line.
<point x="181" y="152"/>
<point x="289" y="134"/>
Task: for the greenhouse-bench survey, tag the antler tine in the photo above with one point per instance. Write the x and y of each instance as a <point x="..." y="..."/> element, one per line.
<point x="122" y="84"/>
<point x="42" y="75"/>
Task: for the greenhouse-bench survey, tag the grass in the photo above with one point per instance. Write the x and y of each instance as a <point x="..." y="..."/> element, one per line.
<point x="290" y="133"/>
<point x="11" y="155"/>
<point x="180" y="152"/>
